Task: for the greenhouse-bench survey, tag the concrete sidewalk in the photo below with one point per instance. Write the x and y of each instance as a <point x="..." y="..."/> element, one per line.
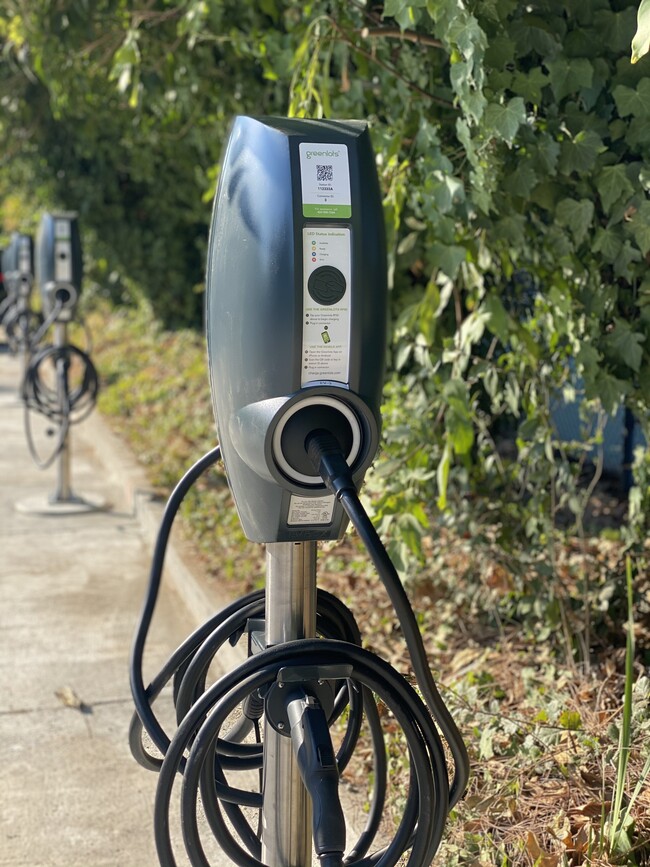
<point x="71" y="587"/>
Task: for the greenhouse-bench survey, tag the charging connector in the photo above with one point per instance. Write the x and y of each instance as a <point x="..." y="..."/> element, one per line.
<point x="326" y="454"/>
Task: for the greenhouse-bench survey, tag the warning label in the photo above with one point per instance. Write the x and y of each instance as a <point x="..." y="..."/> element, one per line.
<point x="311" y="510"/>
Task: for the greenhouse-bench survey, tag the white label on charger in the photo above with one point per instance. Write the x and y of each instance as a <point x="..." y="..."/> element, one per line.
<point x="62" y="228"/>
<point x="325" y="179"/>
<point x="327" y="276"/>
<point x="62" y="261"/>
<point x="311" y="510"/>
<point x="24" y="256"/>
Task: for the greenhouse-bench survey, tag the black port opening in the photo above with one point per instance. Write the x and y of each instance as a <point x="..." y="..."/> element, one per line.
<point x="306" y="421"/>
<point x="62" y="296"/>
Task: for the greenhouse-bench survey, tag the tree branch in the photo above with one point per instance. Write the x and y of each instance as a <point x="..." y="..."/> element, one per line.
<point x="390" y="69"/>
<point x="396" y="33"/>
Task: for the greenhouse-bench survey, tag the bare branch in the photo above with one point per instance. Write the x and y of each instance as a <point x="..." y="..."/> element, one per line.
<point x="390" y="69"/>
<point x="404" y="35"/>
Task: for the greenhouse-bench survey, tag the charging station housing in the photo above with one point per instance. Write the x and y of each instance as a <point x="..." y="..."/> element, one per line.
<point x="18" y="265"/>
<point x="59" y="263"/>
<point x="296" y="316"/>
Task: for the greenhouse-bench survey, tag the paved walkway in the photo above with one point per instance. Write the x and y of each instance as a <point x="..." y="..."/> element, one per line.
<point x="71" y="587"/>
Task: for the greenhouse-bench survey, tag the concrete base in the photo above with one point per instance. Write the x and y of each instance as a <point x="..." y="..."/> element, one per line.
<point x="45" y="504"/>
<point x="11" y="400"/>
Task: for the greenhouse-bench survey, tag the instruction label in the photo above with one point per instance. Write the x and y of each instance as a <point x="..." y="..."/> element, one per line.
<point x="62" y="251"/>
<point x="326" y="305"/>
<point x="24" y="256"/>
<point x="325" y="177"/>
<point x="310" y="510"/>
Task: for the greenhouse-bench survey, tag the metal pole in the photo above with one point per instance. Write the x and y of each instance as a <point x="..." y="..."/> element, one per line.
<point x="22" y="322"/>
<point x="290" y="614"/>
<point x="63" y="492"/>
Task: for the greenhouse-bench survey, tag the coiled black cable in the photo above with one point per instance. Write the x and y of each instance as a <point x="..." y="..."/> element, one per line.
<point x="51" y="395"/>
<point x="49" y="320"/>
<point x="202" y="754"/>
<point x="188" y="666"/>
<point x="5" y="306"/>
<point x="20" y="323"/>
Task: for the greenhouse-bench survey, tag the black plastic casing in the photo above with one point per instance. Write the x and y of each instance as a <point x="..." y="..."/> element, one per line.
<point x="256" y="320"/>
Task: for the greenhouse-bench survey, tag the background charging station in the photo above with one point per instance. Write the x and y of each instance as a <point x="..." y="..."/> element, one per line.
<point x="16" y="315"/>
<point x="60" y="383"/>
<point x="296" y="333"/>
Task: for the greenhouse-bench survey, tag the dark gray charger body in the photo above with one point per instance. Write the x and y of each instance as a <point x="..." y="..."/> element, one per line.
<point x="297" y="232"/>
<point x="18" y="265"/>
<point x="59" y="262"/>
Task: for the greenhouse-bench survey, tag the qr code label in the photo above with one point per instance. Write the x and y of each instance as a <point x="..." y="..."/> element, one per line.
<point x="324" y="173"/>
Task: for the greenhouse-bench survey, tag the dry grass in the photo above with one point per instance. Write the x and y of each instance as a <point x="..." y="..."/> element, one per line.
<point x="539" y="701"/>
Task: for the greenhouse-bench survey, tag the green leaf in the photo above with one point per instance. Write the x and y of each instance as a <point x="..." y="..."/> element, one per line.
<point x="472" y="329"/>
<point x="442" y="476"/>
<point x="615" y="29"/>
<point x="608" y="243"/>
<point x="642" y="237"/>
<point x="505" y="119"/>
<point x="458" y="419"/>
<point x="529" y="84"/>
<point x="570" y="719"/>
<point x="577" y="216"/>
<point x="485" y="744"/>
<point x="579" y="154"/>
<point x="448" y="258"/>
<point x="547" y="153"/>
<point x="625" y="344"/>
<point x="521" y="181"/>
<point x="569" y="75"/>
<point x="641" y="41"/>
<point x="638" y="133"/>
<point x="498" y="321"/>
<point x="446" y="190"/>
<point x="461" y="433"/>
<point x="625" y="259"/>
<point x="500" y="51"/>
<point x="608" y="389"/>
<point x="533" y="33"/>
<point x="394" y="7"/>
<point x="633" y="101"/>
<point x="588" y="361"/>
<point x="613" y="184"/>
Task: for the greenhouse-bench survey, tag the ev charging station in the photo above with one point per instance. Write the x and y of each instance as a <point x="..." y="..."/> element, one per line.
<point x="18" y="269"/>
<point x="60" y="381"/>
<point x="296" y="335"/>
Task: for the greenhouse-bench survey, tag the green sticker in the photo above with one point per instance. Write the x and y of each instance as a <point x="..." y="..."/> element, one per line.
<point x="325" y="179"/>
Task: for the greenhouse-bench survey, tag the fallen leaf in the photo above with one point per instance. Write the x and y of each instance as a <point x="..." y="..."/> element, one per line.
<point x="69" y="698"/>
<point x="539" y="857"/>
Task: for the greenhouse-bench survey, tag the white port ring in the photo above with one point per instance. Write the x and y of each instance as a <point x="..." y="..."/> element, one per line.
<point x="321" y="400"/>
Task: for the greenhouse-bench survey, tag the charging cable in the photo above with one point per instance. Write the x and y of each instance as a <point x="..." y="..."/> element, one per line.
<point x="328" y="459"/>
<point x="303" y="687"/>
<point x="46" y="390"/>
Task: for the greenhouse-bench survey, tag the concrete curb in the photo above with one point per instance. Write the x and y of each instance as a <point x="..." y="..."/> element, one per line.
<point x="124" y="474"/>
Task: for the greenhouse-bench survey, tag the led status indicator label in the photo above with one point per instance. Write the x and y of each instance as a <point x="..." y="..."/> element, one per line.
<point x="326" y="306"/>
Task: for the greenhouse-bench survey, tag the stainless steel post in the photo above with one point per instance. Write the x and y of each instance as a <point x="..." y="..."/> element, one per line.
<point x="290" y="614"/>
<point x="63" y="492"/>
<point x="22" y="327"/>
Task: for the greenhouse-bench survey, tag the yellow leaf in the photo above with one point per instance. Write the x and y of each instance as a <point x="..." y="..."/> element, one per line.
<point x="641" y="41"/>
